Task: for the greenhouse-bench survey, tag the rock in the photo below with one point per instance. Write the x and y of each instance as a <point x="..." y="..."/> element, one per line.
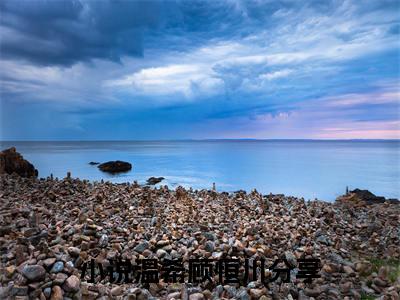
<point x="379" y="282"/>
<point x="57" y="267"/>
<point x="196" y="296"/>
<point x="154" y="180"/>
<point x="35" y="239"/>
<point x="161" y="253"/>
<point x="49" y="261"/>
<point x="10" y="270"/>
<point x="250" y="251"/>
<point x="242" y="294"/>
<point x="345" y="287"/>
<point x="366" y="289"/>
<point x="312" y="292"/>
<point x="141" y="247"/>
<point x="60" y="278"/>
<point x="348" y="270"/>
<point x="103" y="242"/>
<point x="71" y="284"/>
<point x="291" y="259"/>
<point x="256" y="293"/>
<point x="94" y="163"/>
<point x="363" y="197"/>
<point x="34" y="272"/>
<point x="323" y="239"/>
<point x="209" y="246"/>
<point x="13" y="162"/>
<point x="175" y="295"/>
<point x="5" y="229"/>
<point x="4" y="292"/>
<point x="116" y="291"/>
<point x="74" y="251"/>
<point x="47" y="292"/>
<point x="115" y="166"/>
<point x="153" y="221"/>
<point x="210" y="236"/>
<point x="57" y="293"/>
<point x="19" y="290"/>
<point x="334" y="293"/>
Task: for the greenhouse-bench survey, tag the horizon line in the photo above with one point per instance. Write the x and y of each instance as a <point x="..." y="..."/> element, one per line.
<point x="200" y="140"/>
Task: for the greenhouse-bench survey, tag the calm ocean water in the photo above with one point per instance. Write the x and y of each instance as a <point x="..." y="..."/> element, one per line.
<point x="309" y="169"/>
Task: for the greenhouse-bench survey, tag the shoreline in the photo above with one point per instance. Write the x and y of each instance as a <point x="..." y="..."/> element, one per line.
<point x="57" y="225"/>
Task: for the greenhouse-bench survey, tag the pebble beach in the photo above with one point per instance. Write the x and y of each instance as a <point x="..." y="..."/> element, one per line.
<point x="50" y="227"/>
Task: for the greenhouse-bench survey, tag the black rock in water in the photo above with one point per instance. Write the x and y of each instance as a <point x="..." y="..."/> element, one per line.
<point x="94" y="163"/>
<point x="154" y="180"/>
<point x="117" y="166"/>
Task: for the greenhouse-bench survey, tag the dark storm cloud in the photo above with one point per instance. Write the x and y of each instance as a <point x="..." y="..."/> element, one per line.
<point x="65" y="32"/>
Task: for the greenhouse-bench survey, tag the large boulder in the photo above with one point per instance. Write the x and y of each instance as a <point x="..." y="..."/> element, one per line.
<point x="116" y="166"/>
<point x="13" y="162"/>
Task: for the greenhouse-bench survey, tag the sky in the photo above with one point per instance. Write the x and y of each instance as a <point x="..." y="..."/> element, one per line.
<point x="146" y="70"/>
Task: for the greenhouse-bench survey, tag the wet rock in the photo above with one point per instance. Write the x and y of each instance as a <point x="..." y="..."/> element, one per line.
<point x="94" y="163"/>
<point x="115" y="166"/>
<point x="34" y="272"/>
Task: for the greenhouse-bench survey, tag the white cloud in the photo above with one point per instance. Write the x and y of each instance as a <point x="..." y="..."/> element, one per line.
<point x="171" y="79"/>
<point x="275" y="75"/>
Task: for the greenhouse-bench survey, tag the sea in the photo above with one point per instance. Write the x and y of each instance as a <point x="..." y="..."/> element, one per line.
<point x="303" y="168"/>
